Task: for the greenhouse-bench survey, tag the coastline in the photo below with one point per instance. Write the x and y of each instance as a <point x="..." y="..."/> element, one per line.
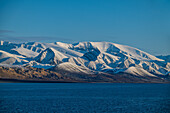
<point x="7" y="80"/>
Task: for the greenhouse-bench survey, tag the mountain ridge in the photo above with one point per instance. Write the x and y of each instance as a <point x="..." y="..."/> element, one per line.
<point x="85" y="58"/>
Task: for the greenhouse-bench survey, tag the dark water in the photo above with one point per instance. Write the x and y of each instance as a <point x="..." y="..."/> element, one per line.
<point x="84" y="97"/>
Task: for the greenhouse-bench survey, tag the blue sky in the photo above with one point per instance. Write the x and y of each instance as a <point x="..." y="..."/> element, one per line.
<point x="144" y="24"/>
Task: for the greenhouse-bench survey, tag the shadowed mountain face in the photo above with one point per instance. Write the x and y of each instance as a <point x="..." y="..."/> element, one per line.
<point x="166" y="58"/>
<point x="82" y="60"/>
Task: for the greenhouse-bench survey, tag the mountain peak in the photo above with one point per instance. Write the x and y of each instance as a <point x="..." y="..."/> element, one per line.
<point x="99" y="57"/>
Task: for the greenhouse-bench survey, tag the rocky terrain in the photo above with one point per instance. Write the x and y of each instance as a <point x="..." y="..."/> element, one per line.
<point x="81" y="62"/>
<point x="30" y="74"/>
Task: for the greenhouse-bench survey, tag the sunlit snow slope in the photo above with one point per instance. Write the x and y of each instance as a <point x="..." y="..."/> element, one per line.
<point x="84" y="57"/>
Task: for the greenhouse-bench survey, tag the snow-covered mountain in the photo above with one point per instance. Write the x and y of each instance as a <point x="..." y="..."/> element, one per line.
<point x="84" y="57"/>
<point x="166" y="58"/>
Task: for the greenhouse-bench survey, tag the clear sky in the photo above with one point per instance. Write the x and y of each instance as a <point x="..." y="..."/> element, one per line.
<point x="144" y="24"/>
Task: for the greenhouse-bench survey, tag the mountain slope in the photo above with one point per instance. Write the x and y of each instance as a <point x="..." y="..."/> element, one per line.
<point x="166" y="58"/>
<point x="85" y="58"/>
<point x="50" y="56"/>
<point x="8" y="58"/>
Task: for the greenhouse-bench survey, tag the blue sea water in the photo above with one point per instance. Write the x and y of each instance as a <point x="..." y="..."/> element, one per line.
<point x="84" y="98"/>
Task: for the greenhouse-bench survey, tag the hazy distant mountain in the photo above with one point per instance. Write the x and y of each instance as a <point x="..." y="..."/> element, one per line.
<point x="89" y="58"/>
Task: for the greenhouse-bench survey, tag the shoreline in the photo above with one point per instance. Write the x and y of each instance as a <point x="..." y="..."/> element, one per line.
<point x="7" y="80"/>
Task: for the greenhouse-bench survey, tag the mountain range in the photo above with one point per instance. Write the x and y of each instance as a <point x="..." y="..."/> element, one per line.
<point x="82" y="62"/>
